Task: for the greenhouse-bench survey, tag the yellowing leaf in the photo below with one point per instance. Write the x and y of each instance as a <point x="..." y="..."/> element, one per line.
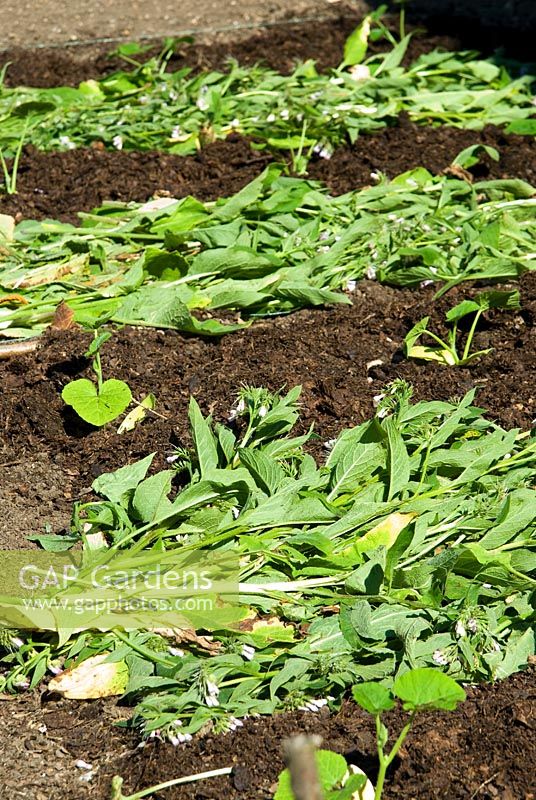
<point x="137" y="414"/>
<point x="432" y="354"/>
<point x="271" y="630"/>
<point x="93" y="678"/>
<point x="7" y="227"/>
<point x="384" y="534"/>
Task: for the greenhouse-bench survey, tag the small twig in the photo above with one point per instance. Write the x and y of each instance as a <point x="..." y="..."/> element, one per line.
<point x="300" y="757"/>
<point x="485" y="783"/>
<point x="10" y="349"/>
<point x="149" y="410"/>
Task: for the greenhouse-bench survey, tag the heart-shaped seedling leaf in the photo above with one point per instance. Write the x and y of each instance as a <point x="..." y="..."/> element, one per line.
<point x="97" y="407"/>
<point x="427" y="688"/>
<point x="373" y="697"/>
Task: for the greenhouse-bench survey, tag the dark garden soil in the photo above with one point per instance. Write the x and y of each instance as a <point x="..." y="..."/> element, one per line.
<point x="58" y="185"/>
<point x="486" y="750"/>
<point x="48" y="459"/>
<point x="279" y="48"/>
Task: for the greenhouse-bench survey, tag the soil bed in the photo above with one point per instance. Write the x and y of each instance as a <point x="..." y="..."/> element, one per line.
<point x="58" y="185"/>
<point x="51" y="459"/>
<point x="485" y="750"/>
<point x="48" y="459"/>
<point x="280" y="48"/>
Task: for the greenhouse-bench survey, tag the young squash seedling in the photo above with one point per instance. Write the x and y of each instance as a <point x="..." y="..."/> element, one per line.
<point x="10" y="178"/>
<point x="447" y="352"/>
<point x="422" y="689"/>
<point x="101" y="403"/>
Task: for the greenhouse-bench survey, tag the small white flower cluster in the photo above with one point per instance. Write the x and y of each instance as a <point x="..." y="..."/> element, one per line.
<point x="233" y="723"/>
<point x="263" y="411"/>
<point x="117" y="142"/>
<point x="376" y="400"/>
<point x="239" y="408"/>
<point x="315" y="705"/>
<point x="176" y="133"/>
<point x="351" y="286"/>
<point x="366" y="110"/>
<point x="360" y="72"/>
<point x="176" y="737"/>
<point x="438" y="657"/>
<point x="88" y="773"/>
<point x="211" y="694"/>
<point x="201" y="101"/>
<point x="322" y="151"/>
<point x="68" y="143"/>
<point x="461" y="629"/>
<point x="248" y="652"/>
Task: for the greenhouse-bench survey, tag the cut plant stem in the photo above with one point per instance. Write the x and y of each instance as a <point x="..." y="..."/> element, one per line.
<point x="117" y="783"/>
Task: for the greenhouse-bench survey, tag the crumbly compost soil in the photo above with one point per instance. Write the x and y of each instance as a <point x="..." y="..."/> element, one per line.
<point x="485" y="750"/>
<point x="59" y="184"/>
<point x="48" y="458"/>
<point x="279" y="47"/>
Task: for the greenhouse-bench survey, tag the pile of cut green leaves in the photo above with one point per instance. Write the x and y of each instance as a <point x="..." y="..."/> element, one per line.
<point x="278" y="245"/>
<point x="149" y="108"/>
<point x="413" y="545"/>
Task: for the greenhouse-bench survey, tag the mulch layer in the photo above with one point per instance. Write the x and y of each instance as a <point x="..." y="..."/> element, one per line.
<point x="48" y="459"/>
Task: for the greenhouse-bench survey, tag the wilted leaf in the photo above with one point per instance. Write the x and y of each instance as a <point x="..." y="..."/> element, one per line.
<point x="94" y="677"/>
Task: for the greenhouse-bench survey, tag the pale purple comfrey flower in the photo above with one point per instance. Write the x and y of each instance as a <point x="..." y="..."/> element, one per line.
<point x="248" y="652"/>
<point x="438" y="657"/>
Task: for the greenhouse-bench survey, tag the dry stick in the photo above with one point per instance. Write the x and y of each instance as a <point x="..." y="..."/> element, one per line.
<point x="10" y="349"/>
<point x="300" y="757"/>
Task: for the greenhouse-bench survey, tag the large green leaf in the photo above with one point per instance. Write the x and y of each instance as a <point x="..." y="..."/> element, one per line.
<point x="426" y="688"/>
<point x="94" y="405"/>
